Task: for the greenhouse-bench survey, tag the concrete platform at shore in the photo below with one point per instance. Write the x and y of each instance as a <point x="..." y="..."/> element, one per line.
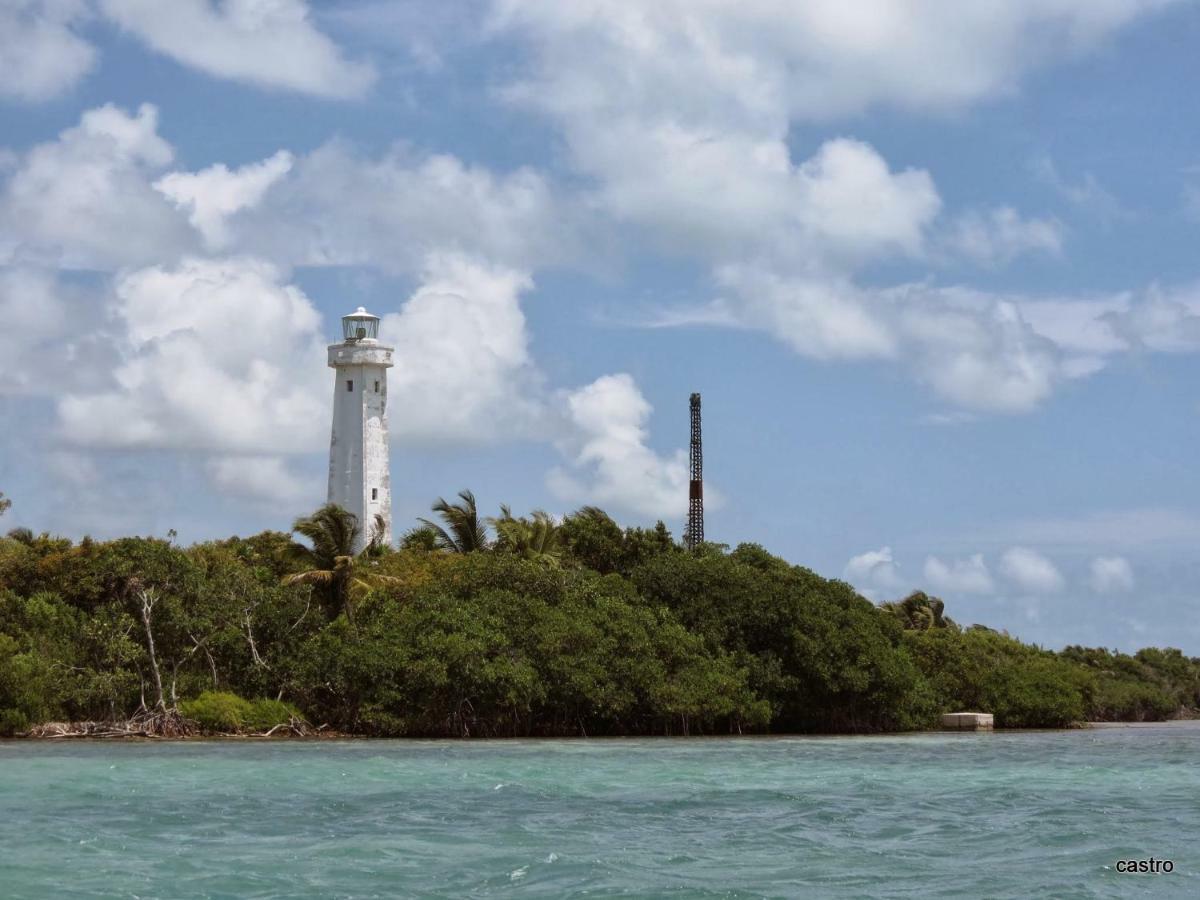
<point x="968" y="721"/>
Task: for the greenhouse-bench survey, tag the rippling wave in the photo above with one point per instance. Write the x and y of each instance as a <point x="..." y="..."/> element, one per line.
<point x="946" y="815"/>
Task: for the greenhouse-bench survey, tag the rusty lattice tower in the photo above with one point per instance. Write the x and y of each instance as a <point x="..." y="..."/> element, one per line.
<point x="694" y="534"/>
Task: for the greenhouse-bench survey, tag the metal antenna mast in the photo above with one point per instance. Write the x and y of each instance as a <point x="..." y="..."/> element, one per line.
<point x="694" y="534"/>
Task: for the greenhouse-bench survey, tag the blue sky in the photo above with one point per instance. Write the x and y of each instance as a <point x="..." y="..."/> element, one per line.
<point x="931" y="267"/>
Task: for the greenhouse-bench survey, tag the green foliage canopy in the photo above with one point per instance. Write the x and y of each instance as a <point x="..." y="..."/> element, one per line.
<point x="567" y="627"/>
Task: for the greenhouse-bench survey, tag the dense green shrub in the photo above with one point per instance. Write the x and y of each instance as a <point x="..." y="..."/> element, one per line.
<point x="1150" y="686"/>
<point x="222" y="712"/>
<point x="554" y="652"/>
<point x="216" y="711"/>
<point x="580" y="628"/>
<point x="981" y="669"/>
<point x="1124" y="700"/>
<point x="1036" y="692"/>
<point x="823" y="657"/>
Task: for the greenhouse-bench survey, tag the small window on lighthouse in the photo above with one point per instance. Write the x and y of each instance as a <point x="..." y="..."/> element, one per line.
<point x="374" y="493"/>
<point x="350" y="385"/>
<point x="377" y="387"/>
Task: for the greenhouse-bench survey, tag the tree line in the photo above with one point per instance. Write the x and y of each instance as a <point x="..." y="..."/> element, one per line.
<point x="511" y="626"/>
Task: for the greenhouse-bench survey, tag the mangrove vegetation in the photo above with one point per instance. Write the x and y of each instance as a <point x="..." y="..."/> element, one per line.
<point x="509" y="626"/>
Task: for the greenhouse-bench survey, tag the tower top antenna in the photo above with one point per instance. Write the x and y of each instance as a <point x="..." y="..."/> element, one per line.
<point x="693" y="535"/>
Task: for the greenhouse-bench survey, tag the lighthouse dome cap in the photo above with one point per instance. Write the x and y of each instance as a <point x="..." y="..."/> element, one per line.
<point x="361" y="313"/>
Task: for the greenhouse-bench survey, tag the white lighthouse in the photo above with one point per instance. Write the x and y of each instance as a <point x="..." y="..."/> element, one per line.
<point x="359" y="481"/>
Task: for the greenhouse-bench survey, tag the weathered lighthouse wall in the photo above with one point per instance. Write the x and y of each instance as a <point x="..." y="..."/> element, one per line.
<point x="359" y="479"/>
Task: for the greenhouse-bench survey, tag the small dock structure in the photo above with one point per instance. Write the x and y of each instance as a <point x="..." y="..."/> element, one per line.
<point x="968" y="721"/>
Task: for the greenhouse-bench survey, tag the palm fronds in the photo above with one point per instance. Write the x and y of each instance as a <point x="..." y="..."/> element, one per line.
<point x="463" y="531"/>
<point x="537" y="537"/>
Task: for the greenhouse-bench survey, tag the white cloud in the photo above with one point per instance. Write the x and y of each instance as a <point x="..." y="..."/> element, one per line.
<point x="972" y="349"/>
<point x="977" y="351"/>
<point x="1167" y="321"/>
<point x="1000" y="235"/>
<point x="681" y="114"/>
<point x="217" y="355"/>
<point x="1157" y="319"/>
<point x="43" y="318"/>
<point x="211" y="195"/>
<point x="1030" y="571"/>
<point x="269" y="43"/>
<point x="813" y="60"/>
<point x="1079" y="326"/>
<point x="337" y="207"/>
<point x="1086" y="193"/>
<point x="84" y="200"/>
<point x="98" y="197"/>
<point x="224" y="359"/>
<point x="851" y="198"/>
<point x="874" y="573"/>
<point x="462" y="371"/>
<point x="41" y="54"/>
<point x="611" y="463"/>
<point x="959" y="576"/>
<point x="262" y="478"/>
<point x="820" y="318"/>
<point x="427" y="32"/>
<point x="727" y="193"/>
<point x="980" y="351"/>
<point x="1110" y="574"/>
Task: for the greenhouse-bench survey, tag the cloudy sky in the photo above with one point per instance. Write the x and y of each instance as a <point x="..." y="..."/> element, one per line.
<point x="933" y="267"/>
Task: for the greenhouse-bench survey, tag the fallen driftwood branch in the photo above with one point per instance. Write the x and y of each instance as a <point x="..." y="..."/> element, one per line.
<point x="157" y="724"/>
<point x="147" y="723"/>
<point x="293" y="728"/>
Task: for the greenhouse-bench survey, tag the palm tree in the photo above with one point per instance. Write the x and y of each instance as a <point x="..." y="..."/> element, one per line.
<point x="330" y="563"/>
<point x="23" y="536"/>
<point x="422" y="537"/>
<point x="377" y="546"/>
<point x="538" y="537"/>
<point x="593" y="514"/>
<point x="919" y="612"/>
<point x="464" y="532"/>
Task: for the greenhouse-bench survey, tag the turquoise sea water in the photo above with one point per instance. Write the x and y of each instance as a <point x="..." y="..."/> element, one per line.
<point x="930" y="815"/>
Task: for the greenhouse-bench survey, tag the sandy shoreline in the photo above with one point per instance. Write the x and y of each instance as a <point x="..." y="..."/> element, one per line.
<point x="338" y="736"/>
